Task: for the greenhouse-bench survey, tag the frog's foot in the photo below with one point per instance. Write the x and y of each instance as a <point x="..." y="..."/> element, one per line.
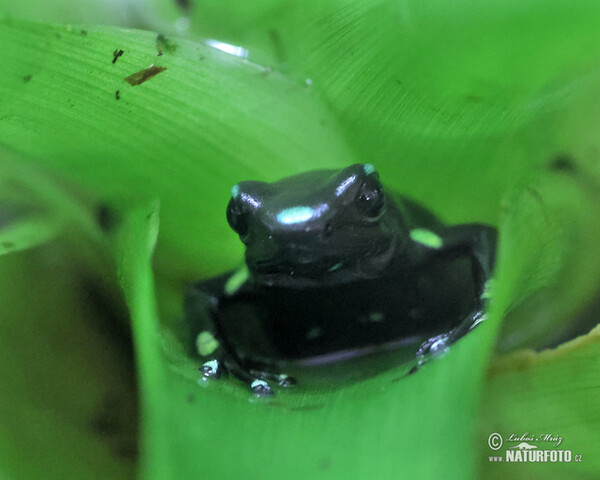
<point x="214" y="369"/>
<point x="259" y="385"/>
<point x="435" y="346"/>
<point x="281" y="379"/>
<point x="261" y="388"/>
<point x="211" y="369"/>
<point x="258" y="381"/>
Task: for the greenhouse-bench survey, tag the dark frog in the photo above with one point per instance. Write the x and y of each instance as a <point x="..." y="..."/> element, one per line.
<point x="341" y="281"/>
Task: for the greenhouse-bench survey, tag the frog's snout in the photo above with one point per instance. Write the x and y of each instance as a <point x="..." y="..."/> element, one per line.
<point x="237" y="218"/>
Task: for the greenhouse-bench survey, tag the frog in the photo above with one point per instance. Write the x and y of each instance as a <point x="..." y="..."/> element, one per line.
<point x="343" y="279"/>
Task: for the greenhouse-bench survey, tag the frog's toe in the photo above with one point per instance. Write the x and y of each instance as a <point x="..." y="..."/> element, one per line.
<point x="211" y="369"/>
<point x="261" y="388"/>
<point x="282" y="379"/>
<point x="434" y="346"/>
<point x="286" y="381"/>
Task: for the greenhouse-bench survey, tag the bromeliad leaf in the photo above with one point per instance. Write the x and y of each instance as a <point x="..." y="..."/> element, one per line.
<point x="27" y="231"/>
<point x="35" y="207"/>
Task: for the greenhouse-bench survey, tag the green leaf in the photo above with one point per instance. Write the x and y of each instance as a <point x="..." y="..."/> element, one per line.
<point x="238" y="120"/>
<point x="32" y="209"/>
<point x="447" y="114"/>
<point x="115" y="12"/>
<point x="424" y="86"/>
<point x="553" y="228"/>
<point x="553" y="392"/>
<point x="68" y="406"/>
<point x="187" y="423"/>
<point x="133" y="248"/>
<point x="25" y="234"/>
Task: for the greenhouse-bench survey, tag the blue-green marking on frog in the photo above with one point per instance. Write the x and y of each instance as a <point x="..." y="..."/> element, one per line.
<point x="235" y="281"/>
<point x="206" y="343"/>
<point x="300" y="214"/>
<point x="426" y="237"/>
<point x="342" y="280"/>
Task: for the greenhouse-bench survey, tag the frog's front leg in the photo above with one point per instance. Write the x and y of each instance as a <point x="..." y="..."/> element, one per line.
<point x="203" y="303"/>
<point x="479" y="240"/>
<point x="224" y="362"/>
<point x="475" y="240"/>
<point x="201" y="308"/>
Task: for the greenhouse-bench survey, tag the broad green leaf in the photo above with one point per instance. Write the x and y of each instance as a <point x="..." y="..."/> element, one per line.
<point x="422" y="86"/>
<point x="186" y="135"/>
<point x="112" y="12"/>
<point x="33" y="208"/>
<point x="447" y="113"/>
<point x="219" y="430"/>
<point x="133" y="247"/>
<point x="228" y="112"/>
<point x="25" y="234"/>
<point x="554" y="215"/>
<point x="68" y="407"/>
<point x="554" y="392"/>
<point x="554" y="225"/>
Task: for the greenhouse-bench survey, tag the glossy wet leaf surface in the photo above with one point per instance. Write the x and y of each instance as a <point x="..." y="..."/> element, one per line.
<point x="465" y="115"/>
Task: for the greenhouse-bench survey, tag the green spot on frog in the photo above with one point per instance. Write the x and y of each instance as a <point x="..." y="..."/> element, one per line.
<point x="206" y="343"/>
<point x="236" y="280"/>
<point x="427" y="238"/>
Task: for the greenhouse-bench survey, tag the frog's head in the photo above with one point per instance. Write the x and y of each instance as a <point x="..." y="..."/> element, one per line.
<point x="319" y="228"/>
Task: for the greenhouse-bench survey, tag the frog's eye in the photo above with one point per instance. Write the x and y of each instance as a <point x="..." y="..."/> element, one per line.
<point x="236" y="218"/>
<point x="370" y="199"/>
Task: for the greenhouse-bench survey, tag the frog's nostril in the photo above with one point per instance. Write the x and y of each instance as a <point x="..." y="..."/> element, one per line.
<point x="236" y="218"/>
